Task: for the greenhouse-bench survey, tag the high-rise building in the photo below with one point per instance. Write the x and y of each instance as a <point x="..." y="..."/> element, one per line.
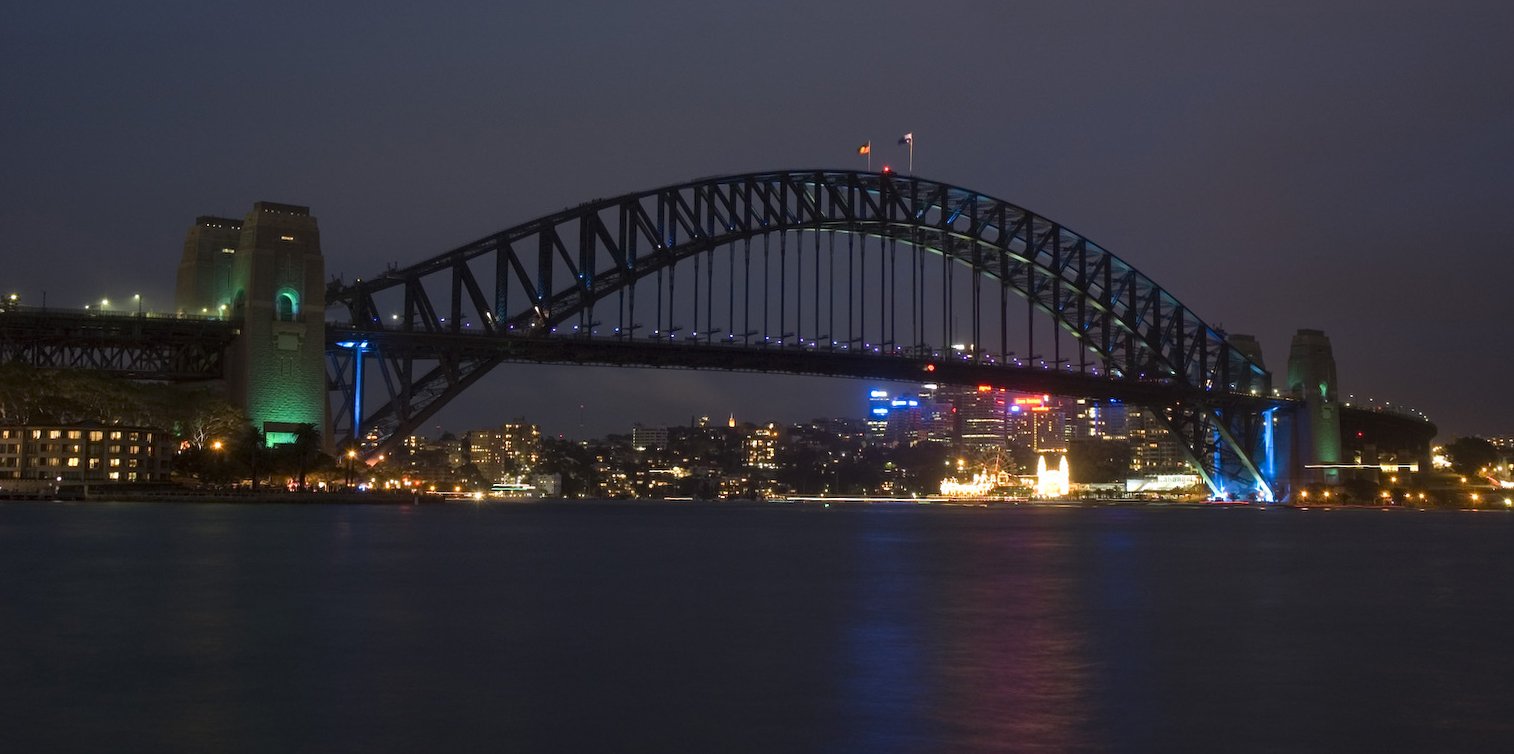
<point x="649" y="438"/>
<point x="878" y="410"/>
<point x="910" y="418"/>
<point x="1090" y="419"/>
<point x="762" y="447"/>
<point x="981" y="416"/>
<point x="1153" y="449"/>
<point x="506" y="453"/>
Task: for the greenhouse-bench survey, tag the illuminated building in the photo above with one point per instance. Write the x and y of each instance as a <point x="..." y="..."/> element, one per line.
<point x="649" y="438"/>
<point x="981" y="415"/>
<point x="1036" y="422"/>
<point x="506" y="453"/>
<point x="762" y="447"/>
<point x="878" y="410"/>
<point x="1089" y="419"/>
<point x="73" y="453"/>
<point x="1153" y="449"/>
<point x="909" y="419"/>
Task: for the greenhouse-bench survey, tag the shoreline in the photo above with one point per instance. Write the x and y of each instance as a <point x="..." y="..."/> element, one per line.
<point x="246" y="497"/>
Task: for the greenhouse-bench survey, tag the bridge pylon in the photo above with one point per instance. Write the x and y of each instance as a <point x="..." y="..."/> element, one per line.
<point x="270" y="281"/>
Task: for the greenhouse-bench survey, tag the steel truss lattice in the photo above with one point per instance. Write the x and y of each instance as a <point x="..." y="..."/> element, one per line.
<point x="463" y="312"/>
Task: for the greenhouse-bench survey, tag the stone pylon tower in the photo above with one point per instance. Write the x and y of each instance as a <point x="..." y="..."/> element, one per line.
<point x="204" y="284"/>
<point x="1317" y="423"/>
<point x="270" y="280"/>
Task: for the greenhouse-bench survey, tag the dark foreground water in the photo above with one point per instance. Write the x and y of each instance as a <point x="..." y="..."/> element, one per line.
<point x="722" y="628"/>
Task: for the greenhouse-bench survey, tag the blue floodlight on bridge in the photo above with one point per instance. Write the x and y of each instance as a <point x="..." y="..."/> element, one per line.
<point x="358" y="348"/>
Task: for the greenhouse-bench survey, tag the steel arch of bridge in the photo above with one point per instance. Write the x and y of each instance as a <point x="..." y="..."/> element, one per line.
<point x="457" y="324"/>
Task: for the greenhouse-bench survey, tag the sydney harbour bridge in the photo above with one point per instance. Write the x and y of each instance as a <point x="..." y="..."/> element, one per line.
<point x="817" y="272"/>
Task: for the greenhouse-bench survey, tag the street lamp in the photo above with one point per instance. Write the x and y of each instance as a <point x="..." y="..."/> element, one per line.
<point x="351" y="456"/>
<point x="138" y="298"/>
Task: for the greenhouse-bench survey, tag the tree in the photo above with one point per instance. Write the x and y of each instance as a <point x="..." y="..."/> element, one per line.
<point x="251" y="447"/>
<point x="1098" y="461"/>
<point x="303" y="455"/>
<point x="1469" y="454"/>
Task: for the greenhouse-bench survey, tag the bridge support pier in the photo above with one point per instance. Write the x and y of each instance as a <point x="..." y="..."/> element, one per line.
<point x="1315" y="422"/>
<point x="271" y="284"/>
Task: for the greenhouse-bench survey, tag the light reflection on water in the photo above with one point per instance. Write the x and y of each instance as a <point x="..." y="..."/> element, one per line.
<point x="611" y="627"/>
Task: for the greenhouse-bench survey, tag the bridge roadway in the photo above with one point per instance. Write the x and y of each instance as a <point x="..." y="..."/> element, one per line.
<point x="144" y="345"/>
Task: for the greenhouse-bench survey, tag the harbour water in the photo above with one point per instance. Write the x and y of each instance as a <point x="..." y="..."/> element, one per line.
<point x="749" y="627"/>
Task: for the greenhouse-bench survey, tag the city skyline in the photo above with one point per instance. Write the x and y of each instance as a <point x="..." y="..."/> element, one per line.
<point x="1259" y="163"/>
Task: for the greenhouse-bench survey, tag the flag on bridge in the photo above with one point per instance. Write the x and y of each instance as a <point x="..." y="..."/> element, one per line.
<point x="866" y="148"/>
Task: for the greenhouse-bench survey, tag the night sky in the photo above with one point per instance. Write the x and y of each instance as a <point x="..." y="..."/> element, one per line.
<point x="1346" y="166"/>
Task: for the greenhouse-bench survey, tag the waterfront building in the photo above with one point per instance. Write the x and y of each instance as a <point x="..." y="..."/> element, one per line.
<point x="84" y="452"/>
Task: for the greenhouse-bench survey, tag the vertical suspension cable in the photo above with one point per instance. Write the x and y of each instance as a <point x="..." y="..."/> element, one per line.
<point x="977" y="279"/>
<point x="862" y="294"/>
<point x="709" y="295"/>
<point x="851" y="281"/>
<point x="946" y="296"/>
<point x="893" y="282"/>
<point x="815" y="333"/>
<point x="916" y="314"/>
<point x="766" y="298"/>
<point x="783" y="287"/>
<point x="830" y="278"/>
<point x="799" y="286"/>
<point x="882" y="295"/>
<point x="746" y="291"/>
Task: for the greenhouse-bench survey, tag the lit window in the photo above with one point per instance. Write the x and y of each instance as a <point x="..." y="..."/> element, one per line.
<point x="286" y="238"/>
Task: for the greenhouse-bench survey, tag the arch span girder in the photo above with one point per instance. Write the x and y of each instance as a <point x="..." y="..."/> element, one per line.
<point x="1086" y="288"/>
<point x="551" y="270"/>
